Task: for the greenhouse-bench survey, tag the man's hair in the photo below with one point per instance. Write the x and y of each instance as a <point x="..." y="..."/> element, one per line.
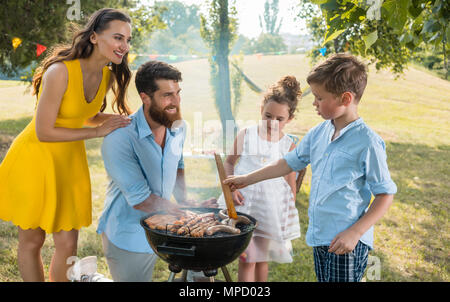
<point x="151" y="71"/>
<point x="340" y="73"/>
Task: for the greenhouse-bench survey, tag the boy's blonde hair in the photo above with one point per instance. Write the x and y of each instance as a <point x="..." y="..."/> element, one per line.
<point x="340" y="73"/>
<point x="285" y="91"/>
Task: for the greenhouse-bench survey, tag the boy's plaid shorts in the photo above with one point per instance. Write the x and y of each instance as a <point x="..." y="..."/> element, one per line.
<point x="349" y="267"/>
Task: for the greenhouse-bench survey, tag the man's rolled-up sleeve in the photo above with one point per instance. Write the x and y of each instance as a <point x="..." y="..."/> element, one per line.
<point x="123" y="168"/>
<point x="181" y="162"/>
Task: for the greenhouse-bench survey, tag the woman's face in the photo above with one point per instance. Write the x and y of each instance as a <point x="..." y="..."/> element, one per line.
<point x="114" y="42"/>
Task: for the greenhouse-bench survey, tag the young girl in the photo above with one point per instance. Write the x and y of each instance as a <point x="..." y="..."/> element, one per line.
<point x="271" y="202"/>
<point x="44" y="177"/>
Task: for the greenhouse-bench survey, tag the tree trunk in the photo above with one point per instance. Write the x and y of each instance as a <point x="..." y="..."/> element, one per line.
<point x="444" y="41"/>
<point x="223" y="89"/>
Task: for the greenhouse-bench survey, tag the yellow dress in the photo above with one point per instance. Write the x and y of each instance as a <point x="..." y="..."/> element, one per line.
<point x="47" y="184"/>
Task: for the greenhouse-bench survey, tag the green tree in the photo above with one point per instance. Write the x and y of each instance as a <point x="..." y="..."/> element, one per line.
<point x="178" y="16"/>
<point x="269" y="43"/>
<point x="46" y="22"/>
<point x="388" y="32"/>
<point x="270" y="18"/>
<point x="218" y="30"/>
<point x="182" y="34"/>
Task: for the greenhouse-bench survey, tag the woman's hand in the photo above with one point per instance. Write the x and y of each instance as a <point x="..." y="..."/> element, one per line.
<point x="111" y="124"/>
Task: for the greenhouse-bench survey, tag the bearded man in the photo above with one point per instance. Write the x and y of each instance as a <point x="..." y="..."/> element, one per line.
<point x="144" y="162"/>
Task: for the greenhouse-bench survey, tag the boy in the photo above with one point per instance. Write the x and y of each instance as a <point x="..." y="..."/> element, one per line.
<point x="348" y="164"/>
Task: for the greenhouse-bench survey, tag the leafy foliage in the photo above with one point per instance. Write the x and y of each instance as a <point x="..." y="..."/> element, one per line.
<point x="267" y="43"/>
<point x="182" y="34"/>
<point x="178" y="16"/>
<point x="388" y="32"/>
<point x="49" y="22"/>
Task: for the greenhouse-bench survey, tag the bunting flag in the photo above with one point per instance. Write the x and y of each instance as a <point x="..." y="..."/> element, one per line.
<point x="131" y="57"/>
<point x="16" y="42"/>
<point x="40" y="49"/>
<point x="323" y="51"/>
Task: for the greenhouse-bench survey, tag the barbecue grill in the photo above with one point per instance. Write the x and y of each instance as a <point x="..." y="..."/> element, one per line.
<point x="206" y="253"/>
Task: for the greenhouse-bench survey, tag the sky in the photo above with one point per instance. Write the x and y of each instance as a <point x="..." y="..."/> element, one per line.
<point x="249" y="10"/>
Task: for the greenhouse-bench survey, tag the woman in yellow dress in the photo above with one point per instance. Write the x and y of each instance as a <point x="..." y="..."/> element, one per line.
<point x="44" y="178"/>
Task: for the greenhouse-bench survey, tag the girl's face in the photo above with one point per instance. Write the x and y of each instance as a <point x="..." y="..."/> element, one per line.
<point x="114" y="42"/>
<point x="275" y="116"/>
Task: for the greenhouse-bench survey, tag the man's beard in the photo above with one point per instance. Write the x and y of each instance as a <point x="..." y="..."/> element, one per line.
<point x="162" y="117"/>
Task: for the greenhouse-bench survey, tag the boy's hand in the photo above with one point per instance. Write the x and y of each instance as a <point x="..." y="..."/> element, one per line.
<point x="344" y="242"/>
<point x="238" y="198"/>
<point x="236" y="182"/>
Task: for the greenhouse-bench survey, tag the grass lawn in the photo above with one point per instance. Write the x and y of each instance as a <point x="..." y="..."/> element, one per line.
<point x="412" y="114"/>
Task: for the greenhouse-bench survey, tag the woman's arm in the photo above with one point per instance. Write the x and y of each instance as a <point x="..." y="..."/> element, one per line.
<point x="53" y="88"/>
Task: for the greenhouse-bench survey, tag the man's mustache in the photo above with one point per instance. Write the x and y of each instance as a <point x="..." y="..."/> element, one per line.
<point x="172" y="107"/>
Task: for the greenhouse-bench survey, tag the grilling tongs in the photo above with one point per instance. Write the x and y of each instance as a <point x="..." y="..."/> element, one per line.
<point x="225" y="188"/>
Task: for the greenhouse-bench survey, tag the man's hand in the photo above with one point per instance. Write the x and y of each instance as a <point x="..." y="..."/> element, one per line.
<point x="155" y="203"/>
<point x="208" y="203"/>
<point x="344" y="242"/>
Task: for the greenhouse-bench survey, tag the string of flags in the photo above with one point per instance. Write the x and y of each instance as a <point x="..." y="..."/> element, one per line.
<point x="133" y="56"/>
<point x="16" y="42"/>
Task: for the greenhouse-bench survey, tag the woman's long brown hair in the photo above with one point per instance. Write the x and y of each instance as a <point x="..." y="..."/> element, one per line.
<point x="82" y="48"/>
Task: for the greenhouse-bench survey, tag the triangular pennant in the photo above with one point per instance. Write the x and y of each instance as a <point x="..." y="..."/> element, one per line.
<point x="16" y="42"/>
<point x="323" y="51"/>
<point x="40" y="49"/>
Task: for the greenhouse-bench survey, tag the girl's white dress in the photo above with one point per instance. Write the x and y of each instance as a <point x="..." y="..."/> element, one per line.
<point x="270" y="202"/>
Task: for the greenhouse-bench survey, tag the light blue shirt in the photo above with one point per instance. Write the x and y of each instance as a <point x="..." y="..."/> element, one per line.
<point x="137" y="167"/>
<point x="345" y="174"/>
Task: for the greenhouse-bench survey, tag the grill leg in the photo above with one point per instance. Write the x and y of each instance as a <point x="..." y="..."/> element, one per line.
<point x="171" y="277"/>
<point x="184" y="275"/>
<point x="174" y="269"/>
<point x="226" y="274"/>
